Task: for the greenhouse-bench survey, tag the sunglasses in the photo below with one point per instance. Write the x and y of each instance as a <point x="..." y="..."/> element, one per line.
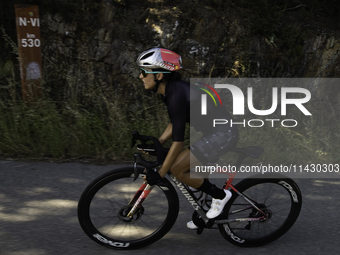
<point x="145" y="72"/>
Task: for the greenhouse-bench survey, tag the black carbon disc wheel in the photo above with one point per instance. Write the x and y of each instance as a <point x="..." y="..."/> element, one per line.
<point x="103" y="209"/>
<point x="279" y="197"/>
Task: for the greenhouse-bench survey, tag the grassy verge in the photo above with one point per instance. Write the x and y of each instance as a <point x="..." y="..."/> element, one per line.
<point x="42" y="129"/>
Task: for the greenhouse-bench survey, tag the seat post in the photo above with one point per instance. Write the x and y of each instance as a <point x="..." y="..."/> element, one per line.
<point x="240" y="159"/>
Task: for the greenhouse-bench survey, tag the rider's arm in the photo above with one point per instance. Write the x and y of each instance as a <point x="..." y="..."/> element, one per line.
<point x="173" y="153"/>
<point x="166" y="134"/>
<point x="177" y="109"/>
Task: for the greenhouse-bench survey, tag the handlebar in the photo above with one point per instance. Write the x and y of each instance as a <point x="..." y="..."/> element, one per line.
<point x="160" y="152"/>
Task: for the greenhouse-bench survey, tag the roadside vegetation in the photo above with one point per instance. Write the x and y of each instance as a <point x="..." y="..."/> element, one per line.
<point x="77" y="120"/>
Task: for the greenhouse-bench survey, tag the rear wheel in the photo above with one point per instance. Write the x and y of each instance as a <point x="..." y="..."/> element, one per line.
<point x="103" y="209"/>
<point x="279" y="197"/>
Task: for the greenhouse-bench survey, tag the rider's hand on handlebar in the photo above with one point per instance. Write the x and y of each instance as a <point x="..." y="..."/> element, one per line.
<point x="152" y="177"/>
<point x="145" y="152"/>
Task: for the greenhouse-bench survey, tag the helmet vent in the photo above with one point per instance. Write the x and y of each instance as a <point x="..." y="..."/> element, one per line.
<point x="147" y="55"/>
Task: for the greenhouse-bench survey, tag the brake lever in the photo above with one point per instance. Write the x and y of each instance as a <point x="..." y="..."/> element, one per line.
<point x="133" y="142"/>
<point x="159" y="152"/>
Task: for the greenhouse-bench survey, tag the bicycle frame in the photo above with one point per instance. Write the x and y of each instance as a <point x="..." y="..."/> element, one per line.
<point x="145" y="190"/>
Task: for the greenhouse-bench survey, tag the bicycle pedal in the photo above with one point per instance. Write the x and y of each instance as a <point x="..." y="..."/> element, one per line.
<point x="210" y="223"/>
<point x="199" y="231"/>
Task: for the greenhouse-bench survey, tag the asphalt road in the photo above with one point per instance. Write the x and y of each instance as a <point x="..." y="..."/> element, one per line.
<point x="38" y="216"/>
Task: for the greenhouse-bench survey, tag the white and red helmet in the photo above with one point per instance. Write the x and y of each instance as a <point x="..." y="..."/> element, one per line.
<point x="160" y="58"/>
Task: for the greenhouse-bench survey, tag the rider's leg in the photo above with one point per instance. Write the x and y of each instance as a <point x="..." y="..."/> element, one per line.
<point x="181" y="170"/>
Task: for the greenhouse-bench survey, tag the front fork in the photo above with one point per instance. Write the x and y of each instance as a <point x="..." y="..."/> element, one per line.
<point x="139" y="197"/>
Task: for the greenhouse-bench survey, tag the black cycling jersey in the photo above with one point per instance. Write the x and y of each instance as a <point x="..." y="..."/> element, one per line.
<point x="179" y="97"/>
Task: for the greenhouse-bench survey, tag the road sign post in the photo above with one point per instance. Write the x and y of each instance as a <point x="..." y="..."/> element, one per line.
<point x="29" y="47"/>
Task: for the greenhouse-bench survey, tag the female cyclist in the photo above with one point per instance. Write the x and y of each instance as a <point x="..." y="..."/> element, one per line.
<point x="158" y="72"/>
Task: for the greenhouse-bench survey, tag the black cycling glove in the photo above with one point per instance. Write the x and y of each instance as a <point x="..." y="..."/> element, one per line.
<point x="153" y="177"/>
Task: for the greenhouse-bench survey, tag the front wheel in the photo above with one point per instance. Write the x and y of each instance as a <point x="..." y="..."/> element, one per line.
<point x="103" y="209"/>
<point x="279" y="197"/>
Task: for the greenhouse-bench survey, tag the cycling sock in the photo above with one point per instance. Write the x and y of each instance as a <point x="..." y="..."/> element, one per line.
<point x="212" y="190"/>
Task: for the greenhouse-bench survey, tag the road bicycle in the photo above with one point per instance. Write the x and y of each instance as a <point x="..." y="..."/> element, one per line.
<point x="120" y="210"/>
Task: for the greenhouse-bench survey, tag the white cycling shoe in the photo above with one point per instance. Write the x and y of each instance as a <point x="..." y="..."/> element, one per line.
<point x="217" y="205"/>
<point x="191" y="225"/>
<point x="216" y="209"/>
